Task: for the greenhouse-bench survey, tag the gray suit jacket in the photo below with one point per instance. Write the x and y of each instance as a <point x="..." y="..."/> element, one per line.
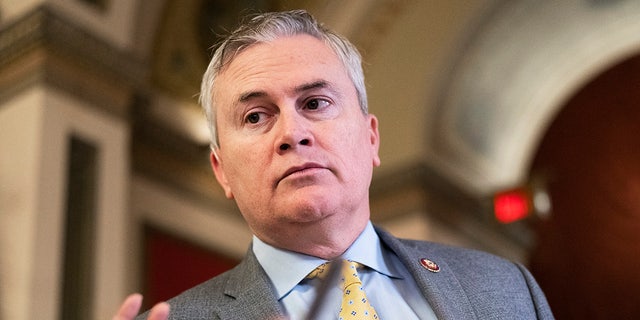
<point x="470" y="285"/>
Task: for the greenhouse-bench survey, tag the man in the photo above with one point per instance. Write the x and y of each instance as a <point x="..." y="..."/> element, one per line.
<point x="294" y="145"/>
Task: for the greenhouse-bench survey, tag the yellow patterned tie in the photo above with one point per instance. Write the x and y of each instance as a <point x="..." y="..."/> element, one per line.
<point x="355" y="304"/>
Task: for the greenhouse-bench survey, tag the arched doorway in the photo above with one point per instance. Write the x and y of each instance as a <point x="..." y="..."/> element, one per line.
<point x="553" y="87"/>
<point x="588" y="252"/>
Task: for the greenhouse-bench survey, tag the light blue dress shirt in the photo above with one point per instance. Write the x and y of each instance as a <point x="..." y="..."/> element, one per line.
<point x="388" y="284"/>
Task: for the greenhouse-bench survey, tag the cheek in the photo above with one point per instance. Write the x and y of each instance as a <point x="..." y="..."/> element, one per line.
<point x="246" y="165"/>
<point x="359" y="144"/>
<point x="354" y="150"/>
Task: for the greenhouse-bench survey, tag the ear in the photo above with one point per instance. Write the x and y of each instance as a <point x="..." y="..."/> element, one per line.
<point x="374" y="135"/>
<point x="218" y="171"/>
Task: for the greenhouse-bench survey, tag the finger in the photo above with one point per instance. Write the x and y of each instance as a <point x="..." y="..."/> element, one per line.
<point x="159" y="312"/>
<point x="129" y="308"/>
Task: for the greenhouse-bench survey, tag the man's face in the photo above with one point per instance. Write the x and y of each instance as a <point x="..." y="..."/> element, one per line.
<point x="295" y="148"/>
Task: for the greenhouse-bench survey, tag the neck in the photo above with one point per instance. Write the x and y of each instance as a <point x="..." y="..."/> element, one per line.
<point x="315" y="240"/>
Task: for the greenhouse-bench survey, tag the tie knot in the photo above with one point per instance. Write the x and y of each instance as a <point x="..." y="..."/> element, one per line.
<point x="348" y="269"/>
<point x="355" y="304"/>
<point x="350" y="273"/>
<point x="319" y="272"/>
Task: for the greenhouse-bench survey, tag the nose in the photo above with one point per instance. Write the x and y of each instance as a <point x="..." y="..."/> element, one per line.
<point x="294" y="132"/>
<point x="287" y="146"/>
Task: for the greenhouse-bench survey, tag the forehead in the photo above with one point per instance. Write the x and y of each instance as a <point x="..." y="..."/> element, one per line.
<point x="281" y="64"/>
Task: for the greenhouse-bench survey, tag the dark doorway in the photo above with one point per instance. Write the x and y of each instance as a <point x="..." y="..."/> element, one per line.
<point x="174" y="264"/>
<point x="588" y="257"/>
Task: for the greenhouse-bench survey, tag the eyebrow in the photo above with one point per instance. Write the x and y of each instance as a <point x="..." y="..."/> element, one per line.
<point x="250" y="95"/>
<point x="319" y="84"/>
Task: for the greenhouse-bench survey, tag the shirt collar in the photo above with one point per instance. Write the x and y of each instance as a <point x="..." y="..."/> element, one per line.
<point x="369" y="251"/>
<point x="287" y="268"/>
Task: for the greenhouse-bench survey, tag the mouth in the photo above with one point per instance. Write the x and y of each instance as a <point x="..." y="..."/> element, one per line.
<point x="299" y="170"/>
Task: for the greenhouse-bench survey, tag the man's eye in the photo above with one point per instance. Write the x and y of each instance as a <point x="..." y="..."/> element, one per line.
<point x="253" y="117"/>
<point x="315" y="104"/>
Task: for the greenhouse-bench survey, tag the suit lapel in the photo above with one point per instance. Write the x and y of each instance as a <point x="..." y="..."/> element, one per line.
<point x="441" y="289"/>
<point x="251" y="293"/>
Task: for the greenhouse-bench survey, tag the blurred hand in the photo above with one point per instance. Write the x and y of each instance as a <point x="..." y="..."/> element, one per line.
<point x="131" y="306"/>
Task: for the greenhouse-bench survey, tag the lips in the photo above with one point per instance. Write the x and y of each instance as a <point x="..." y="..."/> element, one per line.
<point x="301" y="168"/>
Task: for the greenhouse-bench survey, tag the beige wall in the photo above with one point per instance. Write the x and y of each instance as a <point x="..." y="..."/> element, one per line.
<point x="21" y="126"/>
<point x="36" y="126"/>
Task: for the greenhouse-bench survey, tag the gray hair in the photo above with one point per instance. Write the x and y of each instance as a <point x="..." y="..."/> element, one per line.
<point x="269" y="27"/>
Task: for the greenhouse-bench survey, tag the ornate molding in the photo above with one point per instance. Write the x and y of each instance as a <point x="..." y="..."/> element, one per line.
<point x="45" y="46"/>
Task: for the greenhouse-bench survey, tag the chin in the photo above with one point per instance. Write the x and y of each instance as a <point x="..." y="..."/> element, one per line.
<point x="313" y="206"/>
<point x="306" y="212"/>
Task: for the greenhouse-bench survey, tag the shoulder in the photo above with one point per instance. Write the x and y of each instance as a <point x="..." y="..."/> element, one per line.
<point x="487" y="280"/>
<point x="476" y="278"/>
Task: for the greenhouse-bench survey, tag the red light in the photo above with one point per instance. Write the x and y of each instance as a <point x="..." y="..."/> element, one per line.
<point x="511" y="206"/>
